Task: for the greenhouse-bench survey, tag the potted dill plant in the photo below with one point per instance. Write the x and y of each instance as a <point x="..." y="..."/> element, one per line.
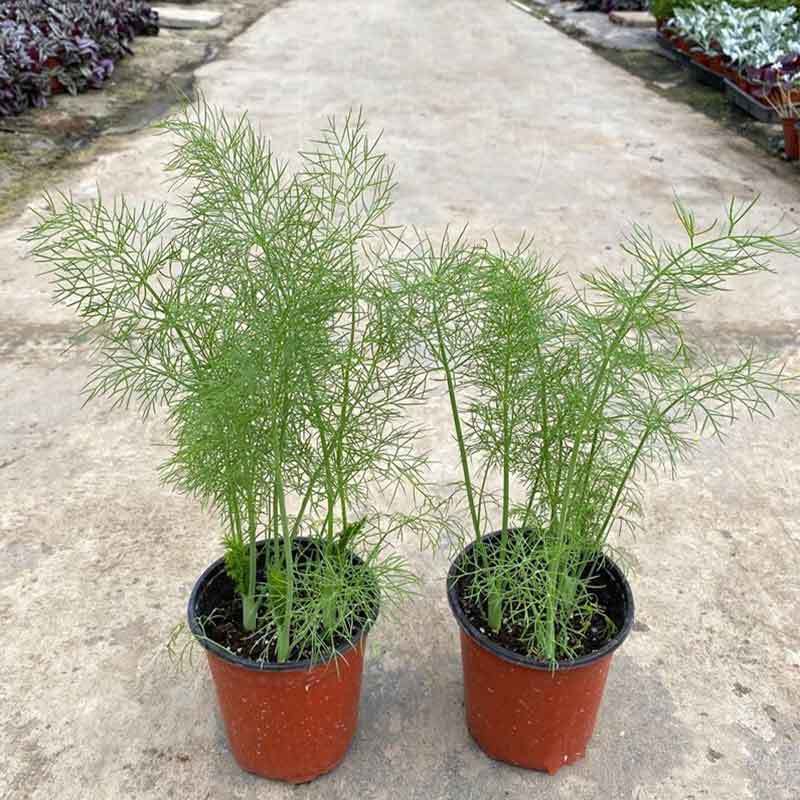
<point x="561" y="401"/>
<point x="261" y="317"/>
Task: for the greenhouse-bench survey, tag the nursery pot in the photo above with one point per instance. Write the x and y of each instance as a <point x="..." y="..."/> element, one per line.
<point x="791" y="145"/>
<point x="746" y="86"/>
<point x="715" y="64"/>
<point x="292" y="721"/>
<point x="522" y="711"/>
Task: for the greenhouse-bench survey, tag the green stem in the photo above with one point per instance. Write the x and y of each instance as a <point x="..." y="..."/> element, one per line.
<point x="276" y="526"/>
<point x="462" y="449"/>
<point x="482" y="490"/>
<point x="249" y="602"/>
<point x="495" y="609"/>
<point x="284" y="643"/>
<point x="330" y="487"/>
<point x="278" y="436"/>
<point x="532" y="494"/>
<point x="345" y="410"/>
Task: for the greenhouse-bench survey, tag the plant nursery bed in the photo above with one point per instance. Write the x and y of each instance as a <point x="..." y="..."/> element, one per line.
<point x="669" y="81"/>
<point x="46" y="50"/>
<point x="41" y="144"/>
<point x="707" y="77"/>
<point x="746" y="102"/>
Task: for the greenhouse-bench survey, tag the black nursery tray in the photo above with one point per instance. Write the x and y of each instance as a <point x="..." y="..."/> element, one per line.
<point x="741" y="99"/>
<point x="706" y="76"/>
<point x="670" y="50"/>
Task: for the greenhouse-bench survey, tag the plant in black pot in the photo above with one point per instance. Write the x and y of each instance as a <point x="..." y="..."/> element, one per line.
<point x="561" y="402"/>
<point x="260" y="315"/>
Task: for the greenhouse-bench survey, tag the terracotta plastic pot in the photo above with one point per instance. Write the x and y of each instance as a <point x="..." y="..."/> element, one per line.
<point x="746" y="86"/>
<point x="791" y="145"/>
<point x="291" y="722"/>
<point x="520" y="710"/>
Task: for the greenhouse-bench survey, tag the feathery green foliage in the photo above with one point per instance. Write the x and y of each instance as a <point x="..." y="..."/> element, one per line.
<point x="565" y="400"/>
<point x="261" y="316"/>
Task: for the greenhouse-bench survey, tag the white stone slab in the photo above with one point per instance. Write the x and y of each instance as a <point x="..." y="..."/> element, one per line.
<point x="185" y="18"/>
<point x="633" y="19"/>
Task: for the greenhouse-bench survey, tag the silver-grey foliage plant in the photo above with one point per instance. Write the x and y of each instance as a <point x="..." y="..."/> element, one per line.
<point x="261" y="317"/>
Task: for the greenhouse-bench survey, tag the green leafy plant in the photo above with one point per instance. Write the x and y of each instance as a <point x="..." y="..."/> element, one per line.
<point x="750" y="38"/>
<point x="665" y="9"/>
<point x="262" y="317"/>
<point x="561" y="402"/>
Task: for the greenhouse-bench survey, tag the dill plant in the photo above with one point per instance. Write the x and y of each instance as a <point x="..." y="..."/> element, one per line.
<point x="260" y="315"/>
<point x="562" y="402"/>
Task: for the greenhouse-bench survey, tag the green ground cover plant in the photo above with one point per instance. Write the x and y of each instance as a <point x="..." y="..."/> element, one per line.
<point x="563" y="401"/>
<point x="261" y="316"/>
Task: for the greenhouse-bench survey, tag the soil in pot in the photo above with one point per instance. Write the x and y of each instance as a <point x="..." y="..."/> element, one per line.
<point x="291" y="721"/>
<point x="519" y="709"/>
<point x="220" y="608"/>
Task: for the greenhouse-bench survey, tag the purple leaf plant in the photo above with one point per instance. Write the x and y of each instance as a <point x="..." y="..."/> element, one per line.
<point x="72" y="45"/>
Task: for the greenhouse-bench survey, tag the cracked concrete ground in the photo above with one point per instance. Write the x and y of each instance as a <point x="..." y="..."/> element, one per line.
<point x="495" y="118"/>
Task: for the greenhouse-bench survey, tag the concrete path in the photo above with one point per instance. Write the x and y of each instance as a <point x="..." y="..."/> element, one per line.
<point x="495" y="118"/>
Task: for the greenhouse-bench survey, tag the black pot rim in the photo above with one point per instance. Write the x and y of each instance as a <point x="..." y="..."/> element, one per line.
<point x="217" y="568"/>
<point x="611" y="569"/>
